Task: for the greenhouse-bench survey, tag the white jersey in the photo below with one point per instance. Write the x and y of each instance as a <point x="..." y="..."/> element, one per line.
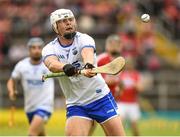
<point x="78" y="90"/>
<point x="38" y="94"/>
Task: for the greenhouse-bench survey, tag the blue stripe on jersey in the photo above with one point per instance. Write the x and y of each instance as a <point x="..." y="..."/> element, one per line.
<point x="64" y="46"/>
<point x="89" y="46"/>
<point x="48" y="56"/>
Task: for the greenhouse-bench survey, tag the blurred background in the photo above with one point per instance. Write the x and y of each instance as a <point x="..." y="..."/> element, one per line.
<point x="154" y="45"/>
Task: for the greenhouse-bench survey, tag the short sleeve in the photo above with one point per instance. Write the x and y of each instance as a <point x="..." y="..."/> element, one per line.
<point x="100" y="61"/>
<point x="48" y="51"/>
<point x="16" y="73"/>
<point x="87" y="41"/>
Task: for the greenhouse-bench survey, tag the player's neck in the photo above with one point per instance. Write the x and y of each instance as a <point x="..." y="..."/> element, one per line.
<point x="111" y="56"/>
<point x="35" y="62"/>
<point x="64" y="42"/>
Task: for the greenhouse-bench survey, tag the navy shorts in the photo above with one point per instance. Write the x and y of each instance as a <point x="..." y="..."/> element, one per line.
<point x="42" y="113"/>
<point x="100" y="110"/>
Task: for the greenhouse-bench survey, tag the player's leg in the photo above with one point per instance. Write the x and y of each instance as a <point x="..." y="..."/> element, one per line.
<point x="134" y="128"/>
<point x="92" y="128"/>
<point x="78" y="122"/>
<point x="37" y="126"/>
<point x="37" y="120"/>
<point x="113" y="127"/>
<point x="105" y="111"/>
<point x="43" y="133"/>
<point x="134" y="115"/>
<point x="118" y="120"/>
<point x="78" y="126"/>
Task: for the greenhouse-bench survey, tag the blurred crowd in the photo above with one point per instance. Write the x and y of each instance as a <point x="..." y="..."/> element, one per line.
<point x="21" y="19"/>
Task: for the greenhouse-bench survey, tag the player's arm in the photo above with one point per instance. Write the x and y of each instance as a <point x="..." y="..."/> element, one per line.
<point x="11" y="86"/>
<point x="55" y="66"/>
<point x="111" y="80"/>
<point x="88" y="55"/>
<point x="119" y="89"/>
<point x="139" y="85"/>
<point x="88" y="59"/>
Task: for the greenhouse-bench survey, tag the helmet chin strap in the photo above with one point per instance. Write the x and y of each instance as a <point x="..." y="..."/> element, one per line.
<point x="69" y="35"/>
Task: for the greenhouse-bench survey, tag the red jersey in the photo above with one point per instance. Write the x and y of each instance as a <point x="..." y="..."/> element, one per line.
<point x="129" y="79"/>
<point x="103" y="59"/>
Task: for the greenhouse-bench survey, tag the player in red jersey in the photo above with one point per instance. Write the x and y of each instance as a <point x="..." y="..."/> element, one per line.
<point x="113" y="48"/>
<point x="125" y="86"/>
<point x="128" y="98"/>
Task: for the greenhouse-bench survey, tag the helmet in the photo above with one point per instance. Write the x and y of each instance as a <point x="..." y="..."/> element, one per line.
<point x="35" y="41"/>
<point x="59" y="14"/>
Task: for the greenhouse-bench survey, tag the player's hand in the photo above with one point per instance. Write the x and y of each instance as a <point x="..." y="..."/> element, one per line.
<point x="70" y="70"/>
<point x="88" y="70"/>
<point x="89" y="66"/>
<point x="111" y="80"/>
<point x="88" y="73"/>
<point x="118" y="91"/>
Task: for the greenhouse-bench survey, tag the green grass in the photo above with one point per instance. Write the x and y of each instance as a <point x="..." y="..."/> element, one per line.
<point x="151" y="125"/>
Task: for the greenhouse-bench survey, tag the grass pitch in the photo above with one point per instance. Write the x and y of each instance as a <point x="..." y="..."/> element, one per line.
<point x="149" y="126"/>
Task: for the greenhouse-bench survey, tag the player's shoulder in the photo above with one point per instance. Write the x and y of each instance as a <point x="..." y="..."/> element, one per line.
<point x="103" y="56"/>
<point x="50" y="46"/>
<point x="23" y="62"/>
<point x="51" y="43"/>
<point x="103" y="59"/>
<point x="80" y="34"/>
<point x="83" y="36"/>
